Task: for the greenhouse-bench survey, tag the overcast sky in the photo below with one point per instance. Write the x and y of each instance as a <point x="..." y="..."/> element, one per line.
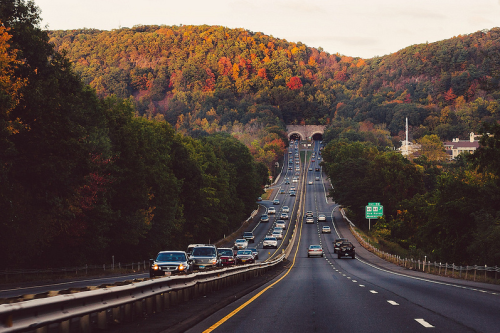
<point x="358" y="28"/>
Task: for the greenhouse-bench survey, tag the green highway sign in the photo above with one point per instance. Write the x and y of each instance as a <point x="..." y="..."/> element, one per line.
<point x="374" y="210"/>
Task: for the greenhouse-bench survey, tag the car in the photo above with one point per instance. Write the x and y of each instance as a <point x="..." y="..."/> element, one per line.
<point x="292" y="188"/>
<point x="295" y="180"/>
<point x="284" y="216"/>
<point x="270" y="241"/>
<point x="297" y="169"/>
<point x="309" y="219"/>
<point x="169" y="262"/>
<point x="240" y="244"/>
<point x="271" y="210"/>
<point x="276" y="202"/>
<point x="297" y="162"/>
<point x="326" y="229"/>
<point x="281" y="224"/>
<point x="259" y="199"/>
<point x="289" y="168"/>
<point x="336" y="244"/>
<point x="254" y="252"/>
<point x="310" y="182"/>
<point x="264" y="218"/>
<point x="316" y="169"/>
<point x="285" y="209"/>
<point x="282" y="191"/>
<point x="245" y="257"/>
<point x="204" y="257"/>
<point x="226" y="256"/>
<point x="310" y="169"/>
<point x="249" y="236"/>
<point x="317" y="178"/>
<point x="321" y="217"/>
<point x="292" y="193"/>
<point x="313" y="160"/>
<point x="309" y="213"/>
<point x="287" y="181"/>
<point x="191" y="247"/>
<point x="297" y="173"/>
<point x="315" y="250"/>
<point x="277" y="234"/>
<point x="346" y="249"/>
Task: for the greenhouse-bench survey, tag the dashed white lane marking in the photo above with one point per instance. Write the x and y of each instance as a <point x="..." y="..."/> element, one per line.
<point x="373" y="292"/>
<point x="423" y="323"/>
<point x="392" y="303"/>
<point x="354" y="281"/>
<point x="361" y="285"/>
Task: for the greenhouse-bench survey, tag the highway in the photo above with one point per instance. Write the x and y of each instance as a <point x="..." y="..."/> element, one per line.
<point x="334" y="295"/>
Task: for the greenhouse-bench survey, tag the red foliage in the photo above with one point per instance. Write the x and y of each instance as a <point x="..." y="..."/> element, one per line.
<point x="294" y="83"/>
<point x="210" y="82"/>
<point x="225" y="66"/>
<point x="340" y="75"/>
<point x="262" y="73"/>
<point x="449" y="95"/>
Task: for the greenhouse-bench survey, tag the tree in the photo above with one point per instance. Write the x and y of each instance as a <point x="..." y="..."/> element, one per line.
<point x="294" y="83"/>
<point x="433" y="148"/>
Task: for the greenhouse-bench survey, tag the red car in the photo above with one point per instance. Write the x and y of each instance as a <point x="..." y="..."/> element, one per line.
<point x="226" y="256"/>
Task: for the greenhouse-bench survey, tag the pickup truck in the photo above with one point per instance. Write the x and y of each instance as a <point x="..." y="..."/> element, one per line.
<point x="248" y="235"/>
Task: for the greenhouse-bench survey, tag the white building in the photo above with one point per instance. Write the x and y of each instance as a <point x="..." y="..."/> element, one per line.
<point x="456" y="146"/>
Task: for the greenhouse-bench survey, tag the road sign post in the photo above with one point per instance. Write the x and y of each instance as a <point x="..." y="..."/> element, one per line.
<point x="372" y="211"/>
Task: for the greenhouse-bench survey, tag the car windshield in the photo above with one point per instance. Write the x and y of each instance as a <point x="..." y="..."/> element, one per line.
<point x="270" y="238"/>
<point x="244" y="252"/>
<point x="225" y="252"/>
<point x="240" y="241"/>
<point x="171" y="257"/>
<point x="204" y="251"/>
<point x="316" y="247"/>
<point x="248" y="233"/>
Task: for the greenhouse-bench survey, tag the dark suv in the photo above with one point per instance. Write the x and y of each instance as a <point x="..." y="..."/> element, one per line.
<point x="336" y="244"/>
<point x="346" y="249"/>
<point x="204" y="257"/>
<point x="168" y="262"/>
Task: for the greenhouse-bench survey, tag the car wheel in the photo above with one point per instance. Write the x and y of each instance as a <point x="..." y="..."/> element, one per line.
<point x="339" y="256"/>
<point x="353" y="256"/>
<point x="308" y="256"/>
<point x="151" y="275"/>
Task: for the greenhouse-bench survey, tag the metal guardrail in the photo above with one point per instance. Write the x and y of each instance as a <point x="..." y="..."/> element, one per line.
<point x="120" y="302"/>
<point x="426" y="266"/>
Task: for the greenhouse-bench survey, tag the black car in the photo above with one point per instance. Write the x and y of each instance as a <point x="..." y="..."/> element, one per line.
<point x="317" y="169"/>
<point x="169" y="262"/>
<point x="336" y="244"/>
<point x="346" y="249"/>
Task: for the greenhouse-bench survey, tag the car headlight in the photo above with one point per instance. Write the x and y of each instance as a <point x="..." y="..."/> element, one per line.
<point x="155" y="267"/>
<point x="181" y="267"/>
<point x="213" y="261"/>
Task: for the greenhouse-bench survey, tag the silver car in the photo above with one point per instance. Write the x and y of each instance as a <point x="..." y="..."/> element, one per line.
<point x="281" y="224"/>
<point x="277" y="234"/>
<point x="315" y="250"/>
<point x="285" y="209"/>
<point x="205" y="256"/>
<point x="240" y="244"/>
<point x="326" y="229"/>
<point x="321" y="217"/>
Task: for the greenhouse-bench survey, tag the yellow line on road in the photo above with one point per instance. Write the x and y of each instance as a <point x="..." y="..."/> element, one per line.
<point x="223" y="320"/>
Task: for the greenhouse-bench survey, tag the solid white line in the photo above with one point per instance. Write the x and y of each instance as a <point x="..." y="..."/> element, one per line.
<point x="423" y="323"/>
<point x="392" y="303"/>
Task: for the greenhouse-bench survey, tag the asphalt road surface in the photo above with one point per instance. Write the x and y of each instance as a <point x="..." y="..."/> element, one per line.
<point x="326" y="294"/>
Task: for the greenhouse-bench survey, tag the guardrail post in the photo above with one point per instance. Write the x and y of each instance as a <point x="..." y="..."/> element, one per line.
<point x="138" y="312"/>
<point x="117" y="314"/>
<point x="127" y="312"/>
<point x="466" y="271"/>
<point x="149" y="305"/>
<point x="485" y="268"/>
<point x="85" y="324"/>
<point x="159" y="302"/>
<point x="166" y="300"/>
<point x="43" y="329"/>
<point x="102" y="320"/>
<point x="475" y="271"/>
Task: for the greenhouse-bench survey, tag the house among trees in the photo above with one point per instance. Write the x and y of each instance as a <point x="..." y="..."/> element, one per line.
<point x="408" y="148"/>
<point x="456" y="146"/>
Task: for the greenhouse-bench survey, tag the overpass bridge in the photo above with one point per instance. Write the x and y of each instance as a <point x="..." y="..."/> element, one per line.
<point x="305" y="132"/>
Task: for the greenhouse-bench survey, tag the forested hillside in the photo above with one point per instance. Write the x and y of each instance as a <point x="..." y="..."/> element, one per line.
<point x="83" y="178"/>
<point x="211" y="78"/>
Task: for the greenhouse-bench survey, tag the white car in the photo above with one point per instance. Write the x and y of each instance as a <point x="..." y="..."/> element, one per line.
<point x="285" y="209"/>
<point x="240" y="244"/>
<point x="295" y="180"/>
<point x="326" y="229"/>
<point x="271" y="210"/>
<point x="309" y="213"/>
<point x="284" y="216"/>
<point x="310" y="182"/>
<point x="321" y="217"/>
<point x="315" y="250"/>
<point x="281" y="224"/>
<point x="309" y="219"/>
<point x="277" y="234"/>
<point x="270" y="241"/>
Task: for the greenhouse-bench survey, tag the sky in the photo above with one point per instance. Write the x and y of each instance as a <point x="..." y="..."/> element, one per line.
<point x="357" y="28"/>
